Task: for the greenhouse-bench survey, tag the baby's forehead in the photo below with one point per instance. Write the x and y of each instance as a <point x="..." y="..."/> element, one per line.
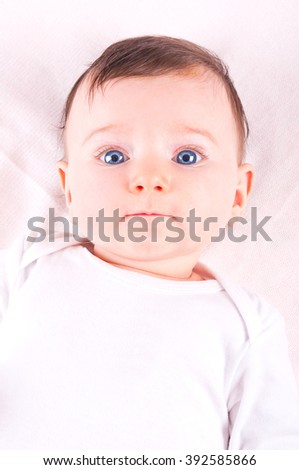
<point x="89" y="94"/>
<point x="155" y="106"/>
<point x="165" y="108"/>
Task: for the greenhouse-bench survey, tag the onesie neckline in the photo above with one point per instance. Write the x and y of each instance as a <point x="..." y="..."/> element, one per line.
<point x="151" y="282"/>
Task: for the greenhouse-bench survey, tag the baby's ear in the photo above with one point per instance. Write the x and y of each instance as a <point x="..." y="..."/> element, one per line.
<point x="245" y="180"/>
<point x="62" y="170"/>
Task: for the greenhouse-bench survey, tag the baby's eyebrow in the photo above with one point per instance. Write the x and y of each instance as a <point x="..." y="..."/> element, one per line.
<point x="99" y="130"/>
<point x="179" y="129"/>
<point x="196" y="130"/>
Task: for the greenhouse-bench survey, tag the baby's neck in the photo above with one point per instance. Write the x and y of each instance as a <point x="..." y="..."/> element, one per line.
<point x="178" y="269"/>
<point x="194" y="276"/>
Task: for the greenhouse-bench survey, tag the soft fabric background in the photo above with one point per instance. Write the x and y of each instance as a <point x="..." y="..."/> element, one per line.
<point x="45" y="46"/>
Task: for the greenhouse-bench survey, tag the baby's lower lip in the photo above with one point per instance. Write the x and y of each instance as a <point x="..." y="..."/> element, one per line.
<point x="151" y="216"/>
<point x="147" y="215"/>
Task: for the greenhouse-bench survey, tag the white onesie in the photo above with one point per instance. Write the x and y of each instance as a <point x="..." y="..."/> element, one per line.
<point x="97" y="357"/>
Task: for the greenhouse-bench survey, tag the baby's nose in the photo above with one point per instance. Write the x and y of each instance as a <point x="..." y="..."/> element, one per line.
<point x="147" y="182"/>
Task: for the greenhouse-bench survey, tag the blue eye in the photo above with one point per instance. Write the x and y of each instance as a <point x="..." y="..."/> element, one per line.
<point x="113" y="157"/>
<point x="188" y="157"/>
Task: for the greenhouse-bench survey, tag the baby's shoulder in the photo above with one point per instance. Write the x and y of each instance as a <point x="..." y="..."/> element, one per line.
<point x="17" y="259"/>
<point x="255" y="310"/>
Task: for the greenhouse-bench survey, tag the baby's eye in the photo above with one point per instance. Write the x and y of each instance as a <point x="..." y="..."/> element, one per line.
<point x="188" y="157"/>
<point x="112" y="157"/>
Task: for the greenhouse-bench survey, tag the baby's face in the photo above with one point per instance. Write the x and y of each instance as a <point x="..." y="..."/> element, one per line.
<point x="157" y="145"/>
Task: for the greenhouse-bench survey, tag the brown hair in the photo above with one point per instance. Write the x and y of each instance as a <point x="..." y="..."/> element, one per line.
<point x="146" y="56"/>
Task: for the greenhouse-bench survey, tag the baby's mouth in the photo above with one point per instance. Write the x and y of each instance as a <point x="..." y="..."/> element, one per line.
<point x="149" y="214"/>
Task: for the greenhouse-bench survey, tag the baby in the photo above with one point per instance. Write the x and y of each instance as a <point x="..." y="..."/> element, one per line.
<point x="118" y="337"/>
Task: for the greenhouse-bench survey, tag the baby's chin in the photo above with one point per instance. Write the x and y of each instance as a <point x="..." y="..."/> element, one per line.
<point x="147" y="251"/>
<point x="153" y="245"/>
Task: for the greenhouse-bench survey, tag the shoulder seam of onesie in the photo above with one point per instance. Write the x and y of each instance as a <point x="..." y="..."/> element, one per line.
<point x="35" y="250"/>
<point x="249" y="306"/>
